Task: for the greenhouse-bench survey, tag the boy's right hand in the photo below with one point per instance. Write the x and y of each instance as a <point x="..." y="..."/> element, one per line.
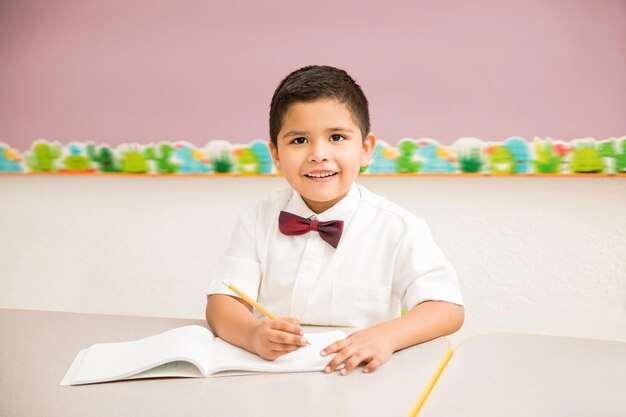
<point x="271" y="339"/>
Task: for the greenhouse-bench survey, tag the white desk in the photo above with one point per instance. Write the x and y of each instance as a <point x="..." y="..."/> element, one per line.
<point x="36" y="349"/>
<point x="528" y="375"/>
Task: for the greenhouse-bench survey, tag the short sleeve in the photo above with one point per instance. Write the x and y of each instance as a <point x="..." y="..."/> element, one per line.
<point x="239" y="264"/>
<point x="422" y="273"/>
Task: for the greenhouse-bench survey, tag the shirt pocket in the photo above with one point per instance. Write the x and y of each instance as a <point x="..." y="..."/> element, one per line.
<point x="359" y="306"/>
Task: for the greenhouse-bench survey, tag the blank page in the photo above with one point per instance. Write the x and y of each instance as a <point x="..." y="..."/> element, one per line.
<point x="111" y="361"/>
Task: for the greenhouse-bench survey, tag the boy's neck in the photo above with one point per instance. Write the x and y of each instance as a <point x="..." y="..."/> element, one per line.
<point x="321" y="206"/>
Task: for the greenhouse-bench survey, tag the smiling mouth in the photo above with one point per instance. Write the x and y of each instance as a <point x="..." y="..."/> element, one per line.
<point x="323" y="175"/>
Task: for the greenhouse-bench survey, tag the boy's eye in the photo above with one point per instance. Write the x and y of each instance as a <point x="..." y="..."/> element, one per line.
<point x="336" y="138"/>
<point x="299" y="141"/>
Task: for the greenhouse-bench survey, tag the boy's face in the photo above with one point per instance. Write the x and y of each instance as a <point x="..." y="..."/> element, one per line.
<point x="320" y="151"/>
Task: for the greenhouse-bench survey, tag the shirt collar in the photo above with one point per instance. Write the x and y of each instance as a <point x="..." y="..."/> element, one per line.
<point x="342" y="210"/>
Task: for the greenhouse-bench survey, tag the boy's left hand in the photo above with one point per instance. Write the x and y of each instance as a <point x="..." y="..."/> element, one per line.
<point x="368" y="345"/>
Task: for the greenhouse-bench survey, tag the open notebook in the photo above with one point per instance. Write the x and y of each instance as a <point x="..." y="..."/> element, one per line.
<point x="189" y="351"/>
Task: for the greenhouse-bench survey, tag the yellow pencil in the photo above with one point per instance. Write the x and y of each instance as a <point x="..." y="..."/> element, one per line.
<point x="253" y="303"/>
<point x="250" y="301"/>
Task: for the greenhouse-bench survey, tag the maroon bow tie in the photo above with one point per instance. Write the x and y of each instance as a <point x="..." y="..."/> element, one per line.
<point x="291" y="225"/>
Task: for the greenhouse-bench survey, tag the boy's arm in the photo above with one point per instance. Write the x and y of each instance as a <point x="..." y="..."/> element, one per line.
<point x="376" y="344"/>
<point x="231" y="319"/>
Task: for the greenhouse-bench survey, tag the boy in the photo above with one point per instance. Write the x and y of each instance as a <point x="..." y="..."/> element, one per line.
<point x="327" y="251"/>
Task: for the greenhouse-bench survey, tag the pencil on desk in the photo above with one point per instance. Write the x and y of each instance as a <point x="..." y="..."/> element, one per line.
<point x="250" y="301"/>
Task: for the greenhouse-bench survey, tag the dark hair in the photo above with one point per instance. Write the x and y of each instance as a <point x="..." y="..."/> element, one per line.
<point x="316" y="82"/>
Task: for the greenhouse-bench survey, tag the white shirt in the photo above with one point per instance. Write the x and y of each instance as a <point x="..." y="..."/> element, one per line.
<point x="386" y="260"/>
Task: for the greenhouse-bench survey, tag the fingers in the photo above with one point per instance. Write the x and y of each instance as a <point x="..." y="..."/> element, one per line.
<point x="286" y="331"/>
<point x="283" y="338"/>
<point x="352" y="359"/>
<point x="291" y="320"/>
<point x="279" y="337"/>
<point x="287" y="324"/>
<point x="351" y="355"/>
<point x="335" y="347"/>
<point x="373" y="364"/>
<point x="352" y="362"/>
<point x="342" y="355"/>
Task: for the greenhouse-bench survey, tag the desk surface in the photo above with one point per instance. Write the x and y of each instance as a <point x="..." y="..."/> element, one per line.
<point x="529" y="375"/>
<point x="36" y="349"/>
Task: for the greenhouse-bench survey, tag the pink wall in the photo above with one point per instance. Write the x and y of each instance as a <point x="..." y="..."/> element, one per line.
<point x="148" y="70"/>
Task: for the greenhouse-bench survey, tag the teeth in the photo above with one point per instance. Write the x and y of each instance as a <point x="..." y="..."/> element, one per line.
<point x="321" y="175"/>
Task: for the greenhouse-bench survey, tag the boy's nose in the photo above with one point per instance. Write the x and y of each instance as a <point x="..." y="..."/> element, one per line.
<point x="318" y="152"/>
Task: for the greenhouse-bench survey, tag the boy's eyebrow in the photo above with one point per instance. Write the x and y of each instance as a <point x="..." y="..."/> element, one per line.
<point x="304" y="132"/>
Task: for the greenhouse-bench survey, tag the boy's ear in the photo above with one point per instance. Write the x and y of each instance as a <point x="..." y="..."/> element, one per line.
<point x="274" y="152"/>
<point x="368" y="148"/>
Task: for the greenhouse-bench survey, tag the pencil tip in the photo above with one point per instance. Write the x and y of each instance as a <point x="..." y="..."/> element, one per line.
<point x="225" y="282"/>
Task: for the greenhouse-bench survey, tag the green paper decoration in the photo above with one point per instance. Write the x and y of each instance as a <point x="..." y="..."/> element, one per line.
<point x="514" y="156"/>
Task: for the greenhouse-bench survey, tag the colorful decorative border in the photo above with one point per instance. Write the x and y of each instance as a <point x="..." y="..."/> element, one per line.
<point x="412" y="156"/>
